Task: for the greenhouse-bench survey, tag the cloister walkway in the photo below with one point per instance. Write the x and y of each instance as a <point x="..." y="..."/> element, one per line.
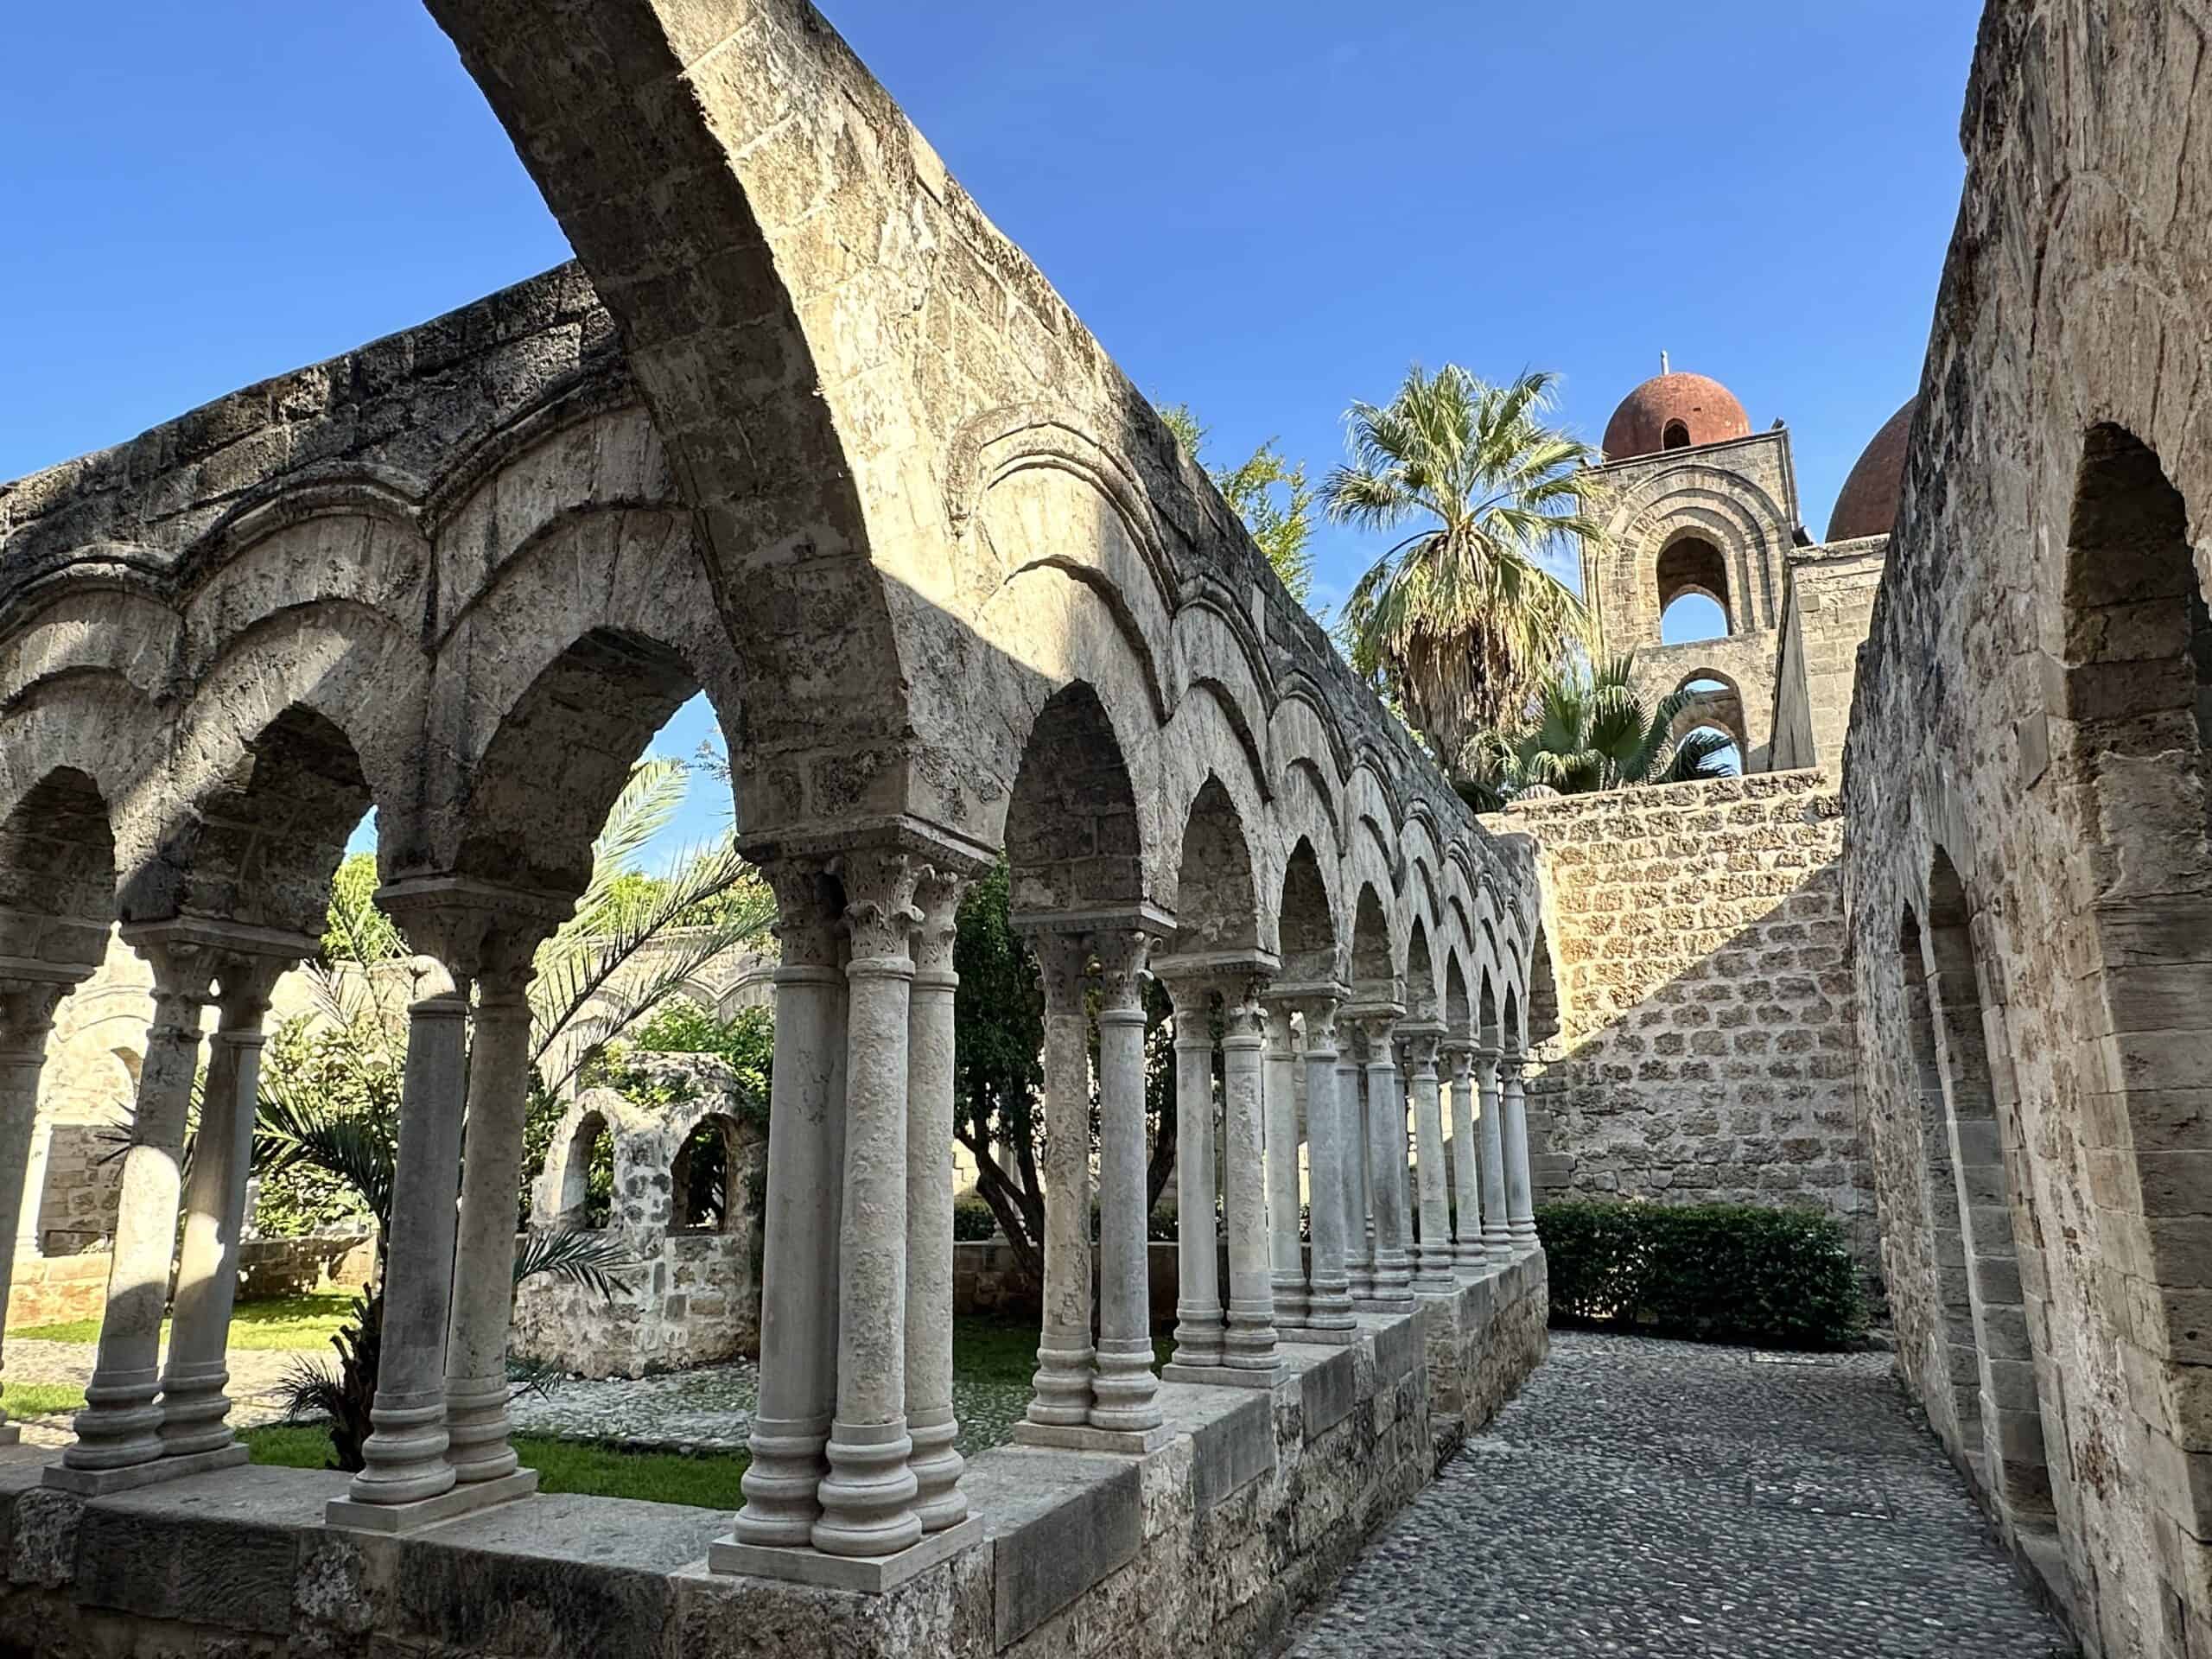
<point x="1662" y="1498"/>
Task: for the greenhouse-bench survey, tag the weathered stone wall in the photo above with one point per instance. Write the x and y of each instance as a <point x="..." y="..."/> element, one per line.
<point x="1212" y="1544"/>
<point x="1827" y="605"/>
<point x="2025" y="855"/>
<point x="58" y="1288"/>
<point x="1706" y="1044"/>
<point x="692" y="1294"/>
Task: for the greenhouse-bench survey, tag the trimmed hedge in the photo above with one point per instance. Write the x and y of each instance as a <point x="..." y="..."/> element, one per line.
<point x="1713" y="1271"/>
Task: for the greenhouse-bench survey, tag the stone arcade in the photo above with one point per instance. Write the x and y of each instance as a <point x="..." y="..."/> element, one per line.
<point x="813" y="439"/>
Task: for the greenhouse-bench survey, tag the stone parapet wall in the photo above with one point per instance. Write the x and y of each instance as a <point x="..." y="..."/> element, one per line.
<point x="1212" y="1544"/>
<point x="1829" y="604"/>
<point x="1706" y="1047"/>
<point x="56" y="1289"/>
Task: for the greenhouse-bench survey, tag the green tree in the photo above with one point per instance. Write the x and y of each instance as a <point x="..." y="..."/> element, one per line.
<point x="1461" y="620"/>
<point x="1267" y="492"/>
<point x="1592" y="731"/>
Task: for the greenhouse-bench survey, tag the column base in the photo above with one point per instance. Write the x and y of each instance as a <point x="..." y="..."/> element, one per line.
<point x="870" y="1574"/>
<point x="1319" y="1336"/>
<point x="10" y="1434"/>
<point x="1067" y="1437"/>
<point x="98" y="1483"/>
<point x="1224" y="1376"/>
<point x="350" y="1515"/>
<point x="1400" y="1303"/>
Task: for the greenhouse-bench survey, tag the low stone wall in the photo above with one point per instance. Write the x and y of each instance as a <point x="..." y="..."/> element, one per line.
<point x="55" y="1289"/>
<point x="987" y="1279"/>
<point x="1211" y="1544"/>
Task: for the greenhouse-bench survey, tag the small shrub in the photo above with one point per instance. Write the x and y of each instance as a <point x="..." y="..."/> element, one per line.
<point x="972" y="1218"/>
<point x="1713" y="1271"/>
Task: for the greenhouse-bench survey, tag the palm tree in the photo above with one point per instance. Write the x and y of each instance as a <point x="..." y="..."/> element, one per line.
<point x="1592" y="731"/>
<point x="1461" y="620"/>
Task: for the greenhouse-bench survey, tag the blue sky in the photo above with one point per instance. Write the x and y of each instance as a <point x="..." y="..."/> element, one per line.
<point x="1262" y="210"/>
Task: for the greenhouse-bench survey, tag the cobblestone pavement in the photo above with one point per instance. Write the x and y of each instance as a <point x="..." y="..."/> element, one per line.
<point x="1662" y="1498"/>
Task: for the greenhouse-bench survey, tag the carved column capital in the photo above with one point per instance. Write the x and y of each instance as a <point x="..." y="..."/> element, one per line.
<point x="1063" y="965"/>
<point x="26" y="1011"/>
<point x="880" y="914"/>
<point x="810" y="909"/>
<point x="936" y="898"/>
<point x="1123" y="954"/>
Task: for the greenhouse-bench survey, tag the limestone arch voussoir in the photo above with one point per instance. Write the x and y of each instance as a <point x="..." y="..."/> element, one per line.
<point x="1200" y="747"/>
<point x="97" y="723"/>
<point x="1303" y="724"/>
<point x="90" y="627"/>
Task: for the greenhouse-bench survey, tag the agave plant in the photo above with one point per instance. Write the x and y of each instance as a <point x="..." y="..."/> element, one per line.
<point x="1591" y="731"/>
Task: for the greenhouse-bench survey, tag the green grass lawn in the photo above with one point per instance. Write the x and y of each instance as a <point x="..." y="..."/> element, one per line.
<point x="707" y="1483"/>
<point x="988" y="1347"/>
<point x="290" y="1323"/>
<point x="41" y="1398"/>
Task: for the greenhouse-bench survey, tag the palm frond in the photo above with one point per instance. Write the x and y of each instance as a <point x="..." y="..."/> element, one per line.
<point x="293" y="1127"/>
<point x="575" y="1257"/>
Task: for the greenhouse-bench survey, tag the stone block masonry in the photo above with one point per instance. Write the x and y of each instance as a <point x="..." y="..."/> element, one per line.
<point x="1706" y="1046"/>
<point x="1214" y="1543"/>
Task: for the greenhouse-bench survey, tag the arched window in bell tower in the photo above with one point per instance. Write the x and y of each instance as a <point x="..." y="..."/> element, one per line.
<point x="1692" y="592"/>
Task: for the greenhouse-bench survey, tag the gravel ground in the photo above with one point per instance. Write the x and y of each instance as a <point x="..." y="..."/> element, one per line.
<point x="1660" y="1498"/>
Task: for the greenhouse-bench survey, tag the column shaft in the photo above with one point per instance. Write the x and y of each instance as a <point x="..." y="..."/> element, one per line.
<point x="1328" y="1291"/>
<point x="802" y="1208"/>
<point x="1280" y="1084"/>
<point x="1497" y="1239"/>
<point x="404" y="1460"/>
<point x="194" y="1410"/>
<point x="1127" y="1391"/>
<point x="929" y="1053"/>
<point x="26" y="1017"/>
<point x="1248" y="1342"/>
<point x="1520" y="1210"/>
<point x="868" y="1497"/>
<point x="1065" y="1354"/>
<point x="1351" y="1174"/>
<point x="1466" y="1161"/>
<point x="477" y="1424"/>
<point x="1434" y="1263"/>
<point x="121" y="1425"/>
<point x="1199" y="1327"/>
<point x="1386" y="1159"/>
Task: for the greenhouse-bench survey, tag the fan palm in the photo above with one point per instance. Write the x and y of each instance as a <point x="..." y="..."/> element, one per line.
<point x="1460" y="620"/>
<point x="1592" y="731"/>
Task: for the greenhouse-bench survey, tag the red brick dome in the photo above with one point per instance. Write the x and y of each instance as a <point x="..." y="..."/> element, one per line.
<point x="1671" y="411"/>
<point x="1867" y="505"/>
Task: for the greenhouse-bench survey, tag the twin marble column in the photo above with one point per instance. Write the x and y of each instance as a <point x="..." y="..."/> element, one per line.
<point x="1391" y="1282"/>
<point x="852" y="1442"/>
<point x="1432" y="1274"/>
<point x="1100" y="1395"/>
<point x="139" y="1424"/>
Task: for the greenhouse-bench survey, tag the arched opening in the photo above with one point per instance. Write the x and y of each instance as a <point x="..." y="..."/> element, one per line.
<point x="2137" y="643"/>
<point x="1214" y="905"/>
<point x="1072" y="833"/>
<point x="587" y="1175"/>
<point x="1373" y="981"/>
<point x="1675" y="434"/>
<point x="1954" y="1366"/>
<point x="2011" y="1413"/>
<point x="1304" y="928"/>
<point x="1723" y="753"/>
<point x="1487" y="1030"/>
<point x="700" y="1196"/>
<point x="1542" y="1029"/>
<point x="1420" y="974"/>
<point x="1692" y="578"/>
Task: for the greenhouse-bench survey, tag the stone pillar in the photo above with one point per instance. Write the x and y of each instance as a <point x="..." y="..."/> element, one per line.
<point x="1466" y="1160"/>
<point x="1065" y="1354"/>
<point x="1351" y="1164"/>
<point x="404" y="1460"/>
<point x="1433" y="1275"/>
<point x="868" y="1497"/>
<point x="1386" y="1162"/>
<point x="1328" y="1315"/>
<point x="805" y="1203"/>
<point x="194" y="1410"/>
<point x="1126" y="1391"/>
<point x="1198" y="1324"/>
<point x="929" y="1423"/>
<point x="29" y="1238"/>
<point x="477" y="1424"/>
<point x="27" y="1006"/>
<point x="1520" y="1211"/>
<point x="119" y="1429"/>
<point x="1497" y="1238"/>
<point x="1286" y="1258"/>
<point x="1249" y="1343"/>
